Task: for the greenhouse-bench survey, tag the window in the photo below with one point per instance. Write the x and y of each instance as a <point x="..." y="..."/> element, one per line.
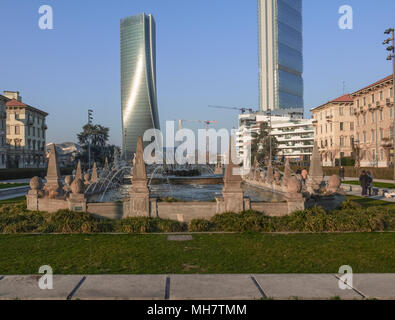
<point x="373" y="117"/>
<point x="391" y="93"/>
<point x="351" y="111"/>
<point x="358" y="136"/>
<point x="8" y="129"/>
<point x="372" y="98"/>
<point x="373" y="136"/>
<point x="357" y="103"/>
<point x="17" y="130"/>
<point x="341" y="111"/>
<point x="341" y="126"/>
<point x="391" y="111"/>
<point x="351" y="126"/>
<point x="358" y="121"/>
<point x="34" y="131"/>
<point x="381" y="134"/>
<point x="381" y="95"/>
<point x="381" y="154"/>
<point x="381" y="115"/>
<point x="364" y="137"/>
<point x="341" y="141"/>
<point x="364" y="118"/>
<point x="364" y="101"/>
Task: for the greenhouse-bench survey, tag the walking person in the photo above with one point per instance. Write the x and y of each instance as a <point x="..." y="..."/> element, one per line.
<point x="370" y="183"/>
<point x="364" y="182"/>
<point x="341" y="173"/>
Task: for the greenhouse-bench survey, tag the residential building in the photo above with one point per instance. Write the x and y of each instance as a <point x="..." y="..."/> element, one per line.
<point x="280" y="56"/>
<point x="295" y="135"/>
<point x="334" y="129"/>
<point x="374" y="114"/>
<point x="25" y="132"/>
<point x="3" y="139"/>
<point x="138" y="80"/>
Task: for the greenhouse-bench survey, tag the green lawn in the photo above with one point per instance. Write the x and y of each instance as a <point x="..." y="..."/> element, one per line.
<point x="375" y="184"/>
<point x="13" y="200"/>
<point x="206" y="253"/>
<point x="369" y="202"/>
<point x="12" y="185"/>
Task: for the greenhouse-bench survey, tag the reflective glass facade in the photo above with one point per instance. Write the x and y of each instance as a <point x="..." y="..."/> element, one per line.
<point x="280" y="55"/>
<point x="138" y="80"/>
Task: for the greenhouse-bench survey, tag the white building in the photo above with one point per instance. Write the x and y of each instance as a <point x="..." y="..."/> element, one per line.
<point x="3" y="145"/>
<point x="295" y="135"/>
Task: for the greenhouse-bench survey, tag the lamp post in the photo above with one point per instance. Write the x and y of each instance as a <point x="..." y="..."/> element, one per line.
<point x="90" y="118"/>
<point x="391" y="48"/>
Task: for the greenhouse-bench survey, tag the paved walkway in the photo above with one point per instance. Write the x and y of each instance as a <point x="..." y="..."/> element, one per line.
<point x="195" y="287"/>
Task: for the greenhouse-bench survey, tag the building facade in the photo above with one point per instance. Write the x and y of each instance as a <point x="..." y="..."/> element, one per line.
<point x="26" y="133"/>
<point x="138" y="80"/>
<point x="358" y="126"/>
<point x="3" y="138"/>
<point x="280" y="56"/>
<point x="374" y="114"/>
<point x="334" y="129"/>
<point x="295" y="136"/>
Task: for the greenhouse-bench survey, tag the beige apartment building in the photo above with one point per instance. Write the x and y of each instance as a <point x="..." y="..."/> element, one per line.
<point x="26" y="133"/>
<point x="334" y="129"/>
<point x="374" y="112"/>
<point x="357" y="125"/>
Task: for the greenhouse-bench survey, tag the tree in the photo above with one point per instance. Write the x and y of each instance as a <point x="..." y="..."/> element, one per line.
<point x="261" y="142"/>
<point x="99" y="136"/>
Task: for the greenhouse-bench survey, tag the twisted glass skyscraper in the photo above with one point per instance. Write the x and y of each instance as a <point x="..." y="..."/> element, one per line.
<point x="138" y="80"/>
<point x="280" y="56"/>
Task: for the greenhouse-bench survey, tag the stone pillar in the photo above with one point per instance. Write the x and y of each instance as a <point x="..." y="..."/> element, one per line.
<point x="294" y="197"/>
<point x="139" y="193"/>
<point x="32" y="198"/>
<point x="232" y="192"/>
<point x="316" y="174"/>
<point x="77" y="199"/>
<point x="94" y="176"/>
<point x="78" y="172"/>
<point x="53" y="186"/>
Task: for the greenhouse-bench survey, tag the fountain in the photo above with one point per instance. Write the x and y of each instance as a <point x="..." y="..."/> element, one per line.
<point x="107" y="193"/>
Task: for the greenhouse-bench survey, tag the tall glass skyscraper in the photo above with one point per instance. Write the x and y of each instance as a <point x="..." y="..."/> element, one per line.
<point x="138" y="80"/>
<point x="280" y="56"/>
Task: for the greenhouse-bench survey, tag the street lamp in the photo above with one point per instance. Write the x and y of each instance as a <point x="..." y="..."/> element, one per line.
<point x="391" y="56"/>
<point x="90" y="119"/>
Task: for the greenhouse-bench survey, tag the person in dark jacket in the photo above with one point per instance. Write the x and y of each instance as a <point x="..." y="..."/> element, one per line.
<point x="370" y="183"/>
<point x="364" y="182"/>
<point x="341" y="173"/>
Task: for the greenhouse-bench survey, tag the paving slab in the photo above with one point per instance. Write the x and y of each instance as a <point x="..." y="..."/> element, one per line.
<point x="213" y="287"/>
<point x="136" y="287"/>
<point x="379" y="286"/>
<point x="26" y="287"/>
<point x="303" y="286"/>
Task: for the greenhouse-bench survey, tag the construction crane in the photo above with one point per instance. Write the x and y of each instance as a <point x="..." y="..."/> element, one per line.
<point x="243" y="110"/>
<point x="207" y="123"/>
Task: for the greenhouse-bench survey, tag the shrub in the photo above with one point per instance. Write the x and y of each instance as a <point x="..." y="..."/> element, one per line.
<point x="136" y="225"/>
<point x="201" y="225"/>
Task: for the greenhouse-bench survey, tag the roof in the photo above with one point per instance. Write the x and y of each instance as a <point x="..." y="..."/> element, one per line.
<point x="376" y="83"/>
<point x="347" y="98"/>
<point x="15" y="103"/>
<point x="4" y="97"/>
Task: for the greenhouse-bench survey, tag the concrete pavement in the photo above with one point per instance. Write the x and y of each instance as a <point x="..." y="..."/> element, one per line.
<point x="199" y="287"/>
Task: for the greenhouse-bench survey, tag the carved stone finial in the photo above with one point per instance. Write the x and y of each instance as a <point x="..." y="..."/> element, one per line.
<point x="87" y="178"/>
<point x="77" y="187"/>
<point x="36" y="184"/>
<point x="334" y="184"/>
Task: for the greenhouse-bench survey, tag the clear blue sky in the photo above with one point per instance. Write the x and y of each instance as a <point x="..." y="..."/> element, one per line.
<point x="206" y="54"/>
